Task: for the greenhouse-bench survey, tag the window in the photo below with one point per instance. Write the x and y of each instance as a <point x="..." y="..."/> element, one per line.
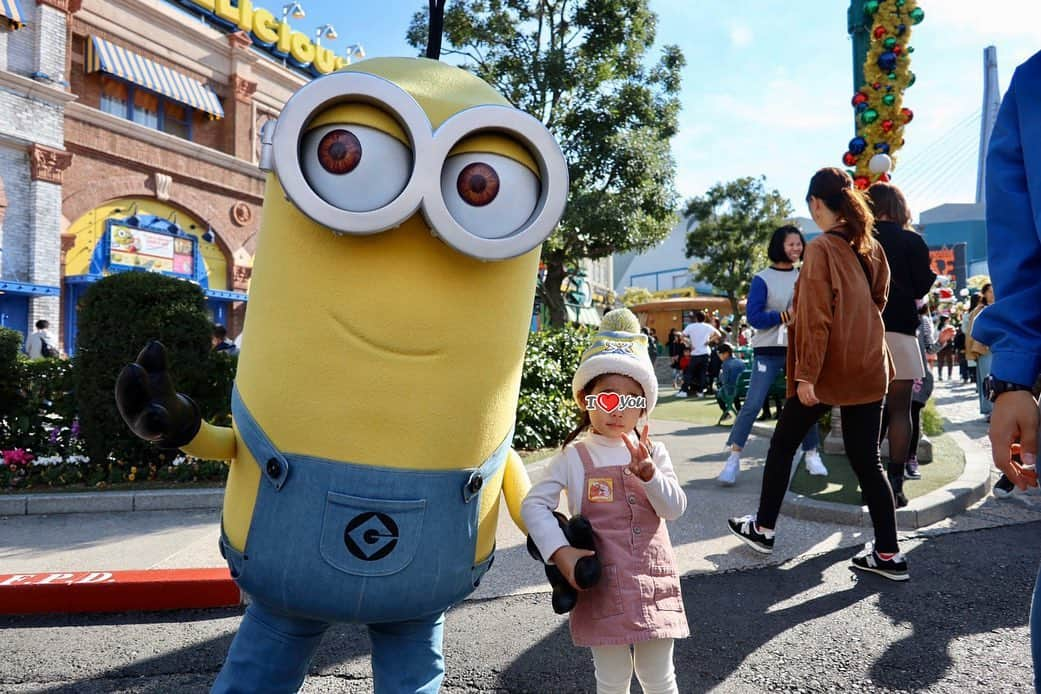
<point x="177" y="120"/>
<point x="114" y="97"/>
<point x="146" y="108"/>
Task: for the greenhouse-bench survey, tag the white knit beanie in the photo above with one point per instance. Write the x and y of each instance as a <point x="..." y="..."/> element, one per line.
<point x="618" y="348"/>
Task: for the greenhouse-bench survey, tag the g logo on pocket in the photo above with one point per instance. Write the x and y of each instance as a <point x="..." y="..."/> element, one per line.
<point x="371" y="536"/>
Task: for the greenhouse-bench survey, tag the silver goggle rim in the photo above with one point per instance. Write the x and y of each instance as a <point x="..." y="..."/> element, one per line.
<point x="429" y="152"/>
<point x="353" y="87"/>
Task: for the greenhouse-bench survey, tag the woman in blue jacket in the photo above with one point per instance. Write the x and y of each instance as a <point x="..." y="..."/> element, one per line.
<point x="769" y="301"/>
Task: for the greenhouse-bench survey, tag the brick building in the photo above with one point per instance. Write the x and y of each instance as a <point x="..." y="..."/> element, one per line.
<point x="135" y="145"/>
<point x="32" y="158"/>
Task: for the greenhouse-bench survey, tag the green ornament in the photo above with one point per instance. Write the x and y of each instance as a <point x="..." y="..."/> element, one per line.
<point x="869" y="116"/>
<point x="888" y="99"/>
<point x="911" y="80"/>
<point x="871" y="7"/>
<point x="917" y="15"/>
<point x="889" y="43"/>
<point x="901" y="3"/>
<point x="910" y="49"/>
<point x="891" y="75"/>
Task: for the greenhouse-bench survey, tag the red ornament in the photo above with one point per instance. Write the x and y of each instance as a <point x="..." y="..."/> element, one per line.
<point x="860" y="98"/>
<point x="908" y="114"/>
<point x="884" y="178"/>
<point x="877" y="85"/>
<point x="861" y="182"/>
<point x="880" y="32"/>
<point x="897" y="50"/>
<point x="849" y="159"/>
<point x="887" y="125"/>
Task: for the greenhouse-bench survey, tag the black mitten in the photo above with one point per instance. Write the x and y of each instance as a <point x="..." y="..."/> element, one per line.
<point x="579" y="533"/>
<point x="149" y="403"/>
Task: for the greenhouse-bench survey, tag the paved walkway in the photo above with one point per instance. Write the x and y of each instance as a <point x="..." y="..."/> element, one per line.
<point x="188" y="538"/>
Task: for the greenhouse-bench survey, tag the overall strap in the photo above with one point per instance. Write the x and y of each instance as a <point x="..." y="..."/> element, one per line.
<point x="274" y="467"/>
<point x="585" y="457"/>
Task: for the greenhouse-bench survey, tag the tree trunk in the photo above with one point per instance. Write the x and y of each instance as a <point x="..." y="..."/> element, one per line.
<point x="734" y="305"/>
<point x="551" y="294"/>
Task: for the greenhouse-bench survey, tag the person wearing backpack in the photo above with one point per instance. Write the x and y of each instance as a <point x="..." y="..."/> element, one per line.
<point x="41" y="344"/>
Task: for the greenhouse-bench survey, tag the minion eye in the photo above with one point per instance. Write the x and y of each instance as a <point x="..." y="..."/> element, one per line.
<point x="489" y="195"/>
<point x="355" y="167"/>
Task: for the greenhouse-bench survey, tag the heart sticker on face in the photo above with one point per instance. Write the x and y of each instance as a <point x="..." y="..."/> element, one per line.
<point x="608" y="402"/>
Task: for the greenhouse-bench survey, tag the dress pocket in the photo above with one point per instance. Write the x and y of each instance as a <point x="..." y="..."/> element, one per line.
<point x="606" y="596"/>
<point x="371" y="537"/>
<point x="667" y="594"/>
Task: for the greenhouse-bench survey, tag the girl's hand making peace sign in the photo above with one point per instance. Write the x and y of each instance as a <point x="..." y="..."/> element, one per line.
<point x="641" y="464"/>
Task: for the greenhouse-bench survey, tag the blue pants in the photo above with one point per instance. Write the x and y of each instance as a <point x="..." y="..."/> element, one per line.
<point x="765" y="368"/>
<point x="982" y="371"/>
<point x="272" y="651"/>
<point x="1035" y="632"/>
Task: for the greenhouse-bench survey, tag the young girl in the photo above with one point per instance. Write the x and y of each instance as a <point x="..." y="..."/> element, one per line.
<point x="626" y="487"/>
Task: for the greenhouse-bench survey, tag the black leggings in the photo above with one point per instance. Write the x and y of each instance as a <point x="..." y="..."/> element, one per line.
<point x="897" y="413"/>
<point x="860" y="425"/>
<point x="916" y="427"/>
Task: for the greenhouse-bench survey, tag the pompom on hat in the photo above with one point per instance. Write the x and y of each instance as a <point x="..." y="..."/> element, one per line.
<point x="618" y="348"/>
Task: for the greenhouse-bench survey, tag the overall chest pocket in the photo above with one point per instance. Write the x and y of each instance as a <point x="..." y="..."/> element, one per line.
<point x="371" y="537"/>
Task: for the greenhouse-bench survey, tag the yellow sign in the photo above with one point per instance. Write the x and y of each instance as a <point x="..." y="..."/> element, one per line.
<point x="268" y="30"/>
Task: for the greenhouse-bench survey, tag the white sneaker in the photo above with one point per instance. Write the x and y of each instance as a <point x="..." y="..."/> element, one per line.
<point x="681" y="394"/>
<point x="728" y="478"/>
<point x="814" y="464"/>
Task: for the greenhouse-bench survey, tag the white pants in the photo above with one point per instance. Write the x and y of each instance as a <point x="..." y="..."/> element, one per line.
<point x="653" y="661"/>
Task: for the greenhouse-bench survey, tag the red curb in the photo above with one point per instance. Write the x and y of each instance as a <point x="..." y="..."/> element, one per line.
<point x="116" y="591"/>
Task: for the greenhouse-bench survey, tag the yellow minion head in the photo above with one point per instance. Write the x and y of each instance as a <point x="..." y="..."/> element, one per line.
<point x="395" y="267"/>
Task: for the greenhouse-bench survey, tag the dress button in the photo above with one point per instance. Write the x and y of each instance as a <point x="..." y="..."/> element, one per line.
<point x="636" y="530"/>
<point x="274" y="469"/>
<point x="632" y="498"/>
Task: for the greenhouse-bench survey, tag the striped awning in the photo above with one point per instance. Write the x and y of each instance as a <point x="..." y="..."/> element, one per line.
<point x="115" y="60"/>
<point x="12" y="13"/>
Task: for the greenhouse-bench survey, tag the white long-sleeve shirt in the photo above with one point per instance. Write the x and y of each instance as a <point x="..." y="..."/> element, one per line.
<point x="564" y="472"/>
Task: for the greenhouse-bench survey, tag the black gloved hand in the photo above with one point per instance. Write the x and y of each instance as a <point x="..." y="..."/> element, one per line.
<point x="579" y="533"/>
<point x="150" y="405"/>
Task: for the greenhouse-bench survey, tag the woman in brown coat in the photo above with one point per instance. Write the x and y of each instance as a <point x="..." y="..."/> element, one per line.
<point x="837" y="356"/>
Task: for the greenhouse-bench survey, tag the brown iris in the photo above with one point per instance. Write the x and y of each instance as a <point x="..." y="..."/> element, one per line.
<point x="339" y="152"/>
<point x="478" y="184"/>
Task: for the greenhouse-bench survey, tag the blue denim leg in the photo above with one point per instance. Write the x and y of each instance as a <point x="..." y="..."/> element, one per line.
<point x="270" y="653"/>
<point x="758" y="388"/>
<point x="982" y="371"/>
<point x="1035" y="632"/>
<point x="407" y="657"/>
<point x="812" y="439"/>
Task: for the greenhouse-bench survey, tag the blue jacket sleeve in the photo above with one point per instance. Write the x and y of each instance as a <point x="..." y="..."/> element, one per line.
<point x="1011" y="327"/>
<point x="758" y="317"/>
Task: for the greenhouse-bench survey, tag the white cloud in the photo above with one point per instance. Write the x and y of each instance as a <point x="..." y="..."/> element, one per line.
<point x="999" y="18"/>
<point x="740" y="35"/>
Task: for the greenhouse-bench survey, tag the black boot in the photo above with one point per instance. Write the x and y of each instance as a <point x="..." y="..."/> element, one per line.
<point x="579" y="534"/>
<point x="896" y="481"/>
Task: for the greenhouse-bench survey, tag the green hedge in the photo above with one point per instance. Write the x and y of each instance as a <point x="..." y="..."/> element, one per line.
<point x="46" y="444"/>
<point x="117" y="317"/>
<point x="546" y="411"/>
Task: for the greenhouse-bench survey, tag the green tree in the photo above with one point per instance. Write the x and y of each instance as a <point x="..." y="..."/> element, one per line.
<point x="734" y="222"/>
<point x="579" y="66"/>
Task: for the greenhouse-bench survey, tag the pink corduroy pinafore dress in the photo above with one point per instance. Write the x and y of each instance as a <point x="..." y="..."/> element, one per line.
<point x="638" y="596"/>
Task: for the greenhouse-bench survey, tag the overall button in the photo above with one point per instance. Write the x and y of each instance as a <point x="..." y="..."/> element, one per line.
<point x="274" y="469"/>
<point x="636" y="530"/>
<point x="632" y="499"/>
<point x="476" y="482"/>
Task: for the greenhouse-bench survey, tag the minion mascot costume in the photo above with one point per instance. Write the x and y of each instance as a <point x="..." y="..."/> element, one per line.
<point x="371" y="440"/>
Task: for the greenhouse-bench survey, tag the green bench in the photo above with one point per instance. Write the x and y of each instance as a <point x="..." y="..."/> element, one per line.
<point x="733" y="396"/>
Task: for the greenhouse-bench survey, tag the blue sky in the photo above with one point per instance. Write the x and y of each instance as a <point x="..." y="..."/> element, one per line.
<point x="768" y="84"/>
